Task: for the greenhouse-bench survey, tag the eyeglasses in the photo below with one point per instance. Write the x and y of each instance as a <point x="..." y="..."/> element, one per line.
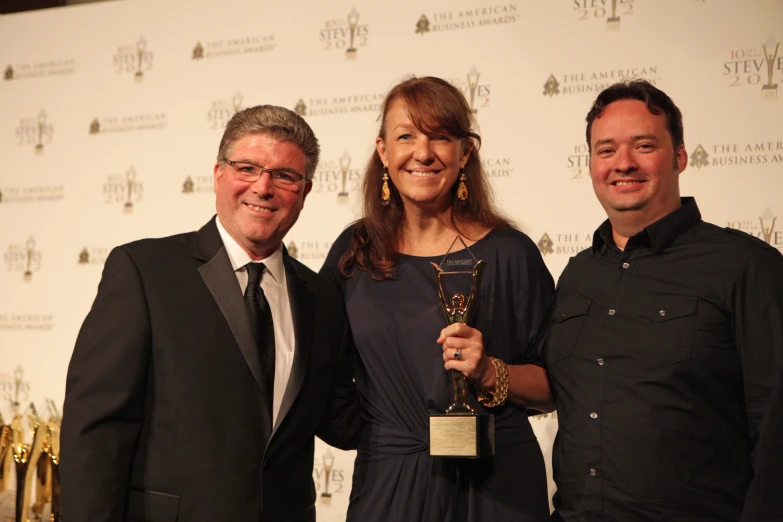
<point x="281" y="178"/>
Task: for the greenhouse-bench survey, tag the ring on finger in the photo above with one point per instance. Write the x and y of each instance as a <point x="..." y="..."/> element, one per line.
<point x="457" y="353"/>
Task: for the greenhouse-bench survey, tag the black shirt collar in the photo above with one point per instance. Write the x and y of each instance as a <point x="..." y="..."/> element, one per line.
<point x="658" y="235"/>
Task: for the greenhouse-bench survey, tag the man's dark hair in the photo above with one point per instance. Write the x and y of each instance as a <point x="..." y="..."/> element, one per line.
<point x="656" y="100"/>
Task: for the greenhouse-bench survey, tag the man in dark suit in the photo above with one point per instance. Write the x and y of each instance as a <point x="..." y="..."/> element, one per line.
<point x="195" y="390"/>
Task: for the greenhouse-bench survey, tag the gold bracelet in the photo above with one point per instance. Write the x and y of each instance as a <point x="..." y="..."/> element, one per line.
<point x="489" y="399"/>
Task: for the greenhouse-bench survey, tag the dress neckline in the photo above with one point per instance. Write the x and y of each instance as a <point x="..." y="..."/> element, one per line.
<point x="440" y="256"/>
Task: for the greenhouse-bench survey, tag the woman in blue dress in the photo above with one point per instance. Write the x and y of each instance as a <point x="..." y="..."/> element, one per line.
<point x="423" y="187"/>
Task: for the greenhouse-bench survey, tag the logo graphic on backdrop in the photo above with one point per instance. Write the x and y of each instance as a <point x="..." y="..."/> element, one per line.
<point x="497" y="166"/>
<point x="329" y="478"/>
<point x="123" y="188"/>
<point x="345" y="34"/>
<point x="596" y="81"/>
<point x="39" y="69"/>
<point x="309" y="250"/>
<point x="128" y="123"/>
<point x="234" y="46"/>
<point x="578" y="161"/>
<point x="222" y="110"/>
<point x="21" y="322"/>
<point x="477" y="93"/>
<point x="737" y="154"/>
<point x="35" y="131"/>
<point x="198" y="185"/>
<point x="341" y="104"/>
<point x="13" y="387"/>
<point x="472" y="18"/>
<point x="335" y="176"/>
<point x="24" y="258"/>
<point x="564" y="243"/>
<point x="31" y="194"/>
<point x="758" y="66"/>
<point x="93" y="255"/>
<point x="763" y="227"/>
<point x="134" y="59"/>
<point x="610" y="10"/>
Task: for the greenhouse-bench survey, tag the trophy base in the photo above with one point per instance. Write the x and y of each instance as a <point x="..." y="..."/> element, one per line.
<point x="350" y="54"/>
<point x="613" y="24"/>
<point x="462" y="436"/>
<point x="128" y="208"/>
<point x="326" y="499"/>
<point x="342" y="198"/>
<point x="138" y="77"/>
<point x="39" y="149"/>
<point x="769" y="92"/>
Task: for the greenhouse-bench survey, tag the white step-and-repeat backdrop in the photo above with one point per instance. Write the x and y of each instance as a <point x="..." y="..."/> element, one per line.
<point x="112" y="114"/>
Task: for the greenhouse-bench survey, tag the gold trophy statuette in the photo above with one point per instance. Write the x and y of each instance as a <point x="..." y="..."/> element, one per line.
<point x="473" y="78"/>
<point x="770" y="90"/>
<point x="353" y="23"/>
<point x="328" y="462"/>
<point x="613" y="22"/>
<point x="345" y="163"/>
<point x="41" y="124"/>
<point x="28" y="273"/>
<point x="130" y="177"/>
<point x="37" y="466"/>
<point x="141" y="45"/>
<point x="460" y="432"/>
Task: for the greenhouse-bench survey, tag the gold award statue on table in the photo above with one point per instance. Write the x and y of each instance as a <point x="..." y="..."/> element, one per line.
<point x="460" y="432"/>
<point x="36" y="465"/>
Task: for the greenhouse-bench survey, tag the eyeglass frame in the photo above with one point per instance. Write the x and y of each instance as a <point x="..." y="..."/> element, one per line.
<point x="271" y="171"/>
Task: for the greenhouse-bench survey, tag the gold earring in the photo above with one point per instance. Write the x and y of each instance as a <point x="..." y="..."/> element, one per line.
<point x="385" y="192"/>
<point x="462" y="189"/>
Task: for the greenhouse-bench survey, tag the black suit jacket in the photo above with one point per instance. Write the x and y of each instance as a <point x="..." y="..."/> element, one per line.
<point x="164" y="415"/>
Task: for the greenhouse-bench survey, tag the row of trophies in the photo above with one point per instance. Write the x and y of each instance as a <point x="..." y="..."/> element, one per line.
<point x="30" y="471"/>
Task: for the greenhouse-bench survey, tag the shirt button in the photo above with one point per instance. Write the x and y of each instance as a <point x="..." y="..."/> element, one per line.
<point x="626" y="265"/>
<point x="600" y="361"/>
<point x="662" y="313"/>
<point x="594" y="415"/>
<point x="593" y="472"/>
<point x="612" y="312"/>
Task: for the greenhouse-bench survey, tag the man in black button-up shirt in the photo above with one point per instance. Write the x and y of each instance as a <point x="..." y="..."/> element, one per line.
<point x="665" y="348"/>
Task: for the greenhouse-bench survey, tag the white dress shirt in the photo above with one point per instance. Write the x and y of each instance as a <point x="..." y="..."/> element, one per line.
<point x="275" y="286"/>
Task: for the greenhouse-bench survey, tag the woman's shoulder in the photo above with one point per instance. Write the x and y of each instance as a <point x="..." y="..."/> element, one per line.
<point x="343" y="242"/>
<point x="509" y="241"/>
<point x="346" y="237"/>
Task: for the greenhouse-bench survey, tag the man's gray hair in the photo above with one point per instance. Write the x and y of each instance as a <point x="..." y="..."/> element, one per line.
<point x="279" y="123"/>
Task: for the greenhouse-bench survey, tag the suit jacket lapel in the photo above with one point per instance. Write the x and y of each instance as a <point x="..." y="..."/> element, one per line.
<point x="303" y="314"/>
<point x="218" y="275"/>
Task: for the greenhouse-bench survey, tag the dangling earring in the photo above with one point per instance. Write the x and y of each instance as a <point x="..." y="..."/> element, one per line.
<point x="462" y="189"/>
<point x="385" y="193"/>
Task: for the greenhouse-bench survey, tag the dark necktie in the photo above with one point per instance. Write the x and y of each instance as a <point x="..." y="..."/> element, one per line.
<point x="263" y="328"/>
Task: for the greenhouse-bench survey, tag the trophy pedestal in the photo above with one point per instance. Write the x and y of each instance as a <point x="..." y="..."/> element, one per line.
<point x="769" y="92"/>
<point x="613" y="24"/>
<point x="350" y="53"/>
<point x="342" y="198"/>
<point x="462" y="436"/>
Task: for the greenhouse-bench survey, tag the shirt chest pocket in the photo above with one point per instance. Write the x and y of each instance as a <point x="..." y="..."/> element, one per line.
<point x="661" y="331"/>
<point x="567" y="320"/>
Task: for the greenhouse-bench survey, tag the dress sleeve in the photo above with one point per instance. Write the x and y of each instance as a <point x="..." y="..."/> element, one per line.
<point x="533" y="296"/>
